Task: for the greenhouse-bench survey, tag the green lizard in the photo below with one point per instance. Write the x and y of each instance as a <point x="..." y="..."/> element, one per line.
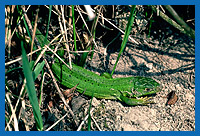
<point x="130" y="90"/>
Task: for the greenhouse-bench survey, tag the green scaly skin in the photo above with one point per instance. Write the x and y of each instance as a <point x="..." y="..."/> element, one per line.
<point x="127" y="89"/>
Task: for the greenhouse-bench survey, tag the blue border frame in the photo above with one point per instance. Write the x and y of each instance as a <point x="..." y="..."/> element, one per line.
<point x="102" y="2"/>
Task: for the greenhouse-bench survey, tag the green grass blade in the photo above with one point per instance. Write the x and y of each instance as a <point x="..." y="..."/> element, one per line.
<point x="74" y="28"/>
<point x="27" y="29"/>
<point x="74" y="35"/>
<point x="38" y="69"/>
<point x="41" y="38"/>
<point x="126" y="35"/>
<point x="31" y="89"/>
<point x="49" y="18"/>
<point x="89" y="117"/>
<point x="83" y="58"/>
<point x="36" y="72"/>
